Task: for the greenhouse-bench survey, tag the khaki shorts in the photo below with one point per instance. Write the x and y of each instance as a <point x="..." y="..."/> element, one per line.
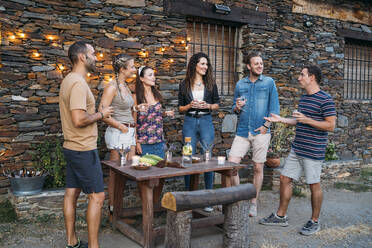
<point x="294" y="165"/>
<point x="259" y="143"/>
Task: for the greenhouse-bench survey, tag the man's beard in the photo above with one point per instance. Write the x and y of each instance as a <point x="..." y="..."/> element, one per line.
<point x="255" y="74"/>
<point x="91" y="66"/>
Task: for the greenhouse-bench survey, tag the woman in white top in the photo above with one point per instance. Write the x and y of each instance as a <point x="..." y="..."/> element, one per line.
<point x="197" y="98"/>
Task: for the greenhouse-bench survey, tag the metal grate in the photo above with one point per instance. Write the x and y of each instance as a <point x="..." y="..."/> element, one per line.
<point x="358" y="70"/>
<point x="220" y="42"/>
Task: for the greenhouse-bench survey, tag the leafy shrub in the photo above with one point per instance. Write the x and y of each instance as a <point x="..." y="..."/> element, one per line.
<point x="49" y="157"/>
<point x="330" y="153"/>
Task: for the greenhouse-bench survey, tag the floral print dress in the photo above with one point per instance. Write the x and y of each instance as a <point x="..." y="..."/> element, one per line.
<point x="150" y="125"/>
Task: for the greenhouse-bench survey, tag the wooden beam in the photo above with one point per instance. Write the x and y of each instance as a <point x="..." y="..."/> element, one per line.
<point x="129" y="231"/>
<point x="354" y="13"/>
<point x="180" y="201"/>
<point x="206" y="10"/>
<point x="347" y="33"/>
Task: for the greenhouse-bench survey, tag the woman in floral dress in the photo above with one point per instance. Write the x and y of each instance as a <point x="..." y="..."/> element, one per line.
<point x="150" y="138"/>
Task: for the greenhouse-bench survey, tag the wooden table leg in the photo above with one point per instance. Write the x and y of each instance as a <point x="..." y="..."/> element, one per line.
<point x="194" y="182"/>
<point x="226" y="180"/>
<point x="118" y="192"/>
<point x="157" y="191"/>
<point x="111" y="185"/>
<point x="147" y="191"/>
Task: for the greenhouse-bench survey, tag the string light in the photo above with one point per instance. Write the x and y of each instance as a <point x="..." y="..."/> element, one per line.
<point x="36" y="54"/>
<point x="61" y="67"/>
<point x="50" y="37"/>
<point x="182" y="42"/>
<point x="12" y="37"/>
<point x="54" y="44"/>
<point x="186" y="47"/>
<point x="188" y="39"/>
<point x="22" y="35"/>
<point x="88" y="74"/>
<point x="162" y="49"/>
<point x="171" y="60"/>
<point x="143" y="54"/>
<point x="101" y="55"/>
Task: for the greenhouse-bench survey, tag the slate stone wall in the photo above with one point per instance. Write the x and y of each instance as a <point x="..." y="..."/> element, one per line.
<point x="36" y="34"/>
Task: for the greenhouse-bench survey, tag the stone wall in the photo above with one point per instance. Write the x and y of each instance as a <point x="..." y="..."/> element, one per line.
<point x="36" y="34"/>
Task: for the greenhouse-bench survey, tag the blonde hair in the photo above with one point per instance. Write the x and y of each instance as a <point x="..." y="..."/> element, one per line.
<point x="120" y="61"/>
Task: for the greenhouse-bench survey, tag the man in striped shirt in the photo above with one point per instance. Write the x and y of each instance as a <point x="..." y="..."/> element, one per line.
<point x="316" y="116"/>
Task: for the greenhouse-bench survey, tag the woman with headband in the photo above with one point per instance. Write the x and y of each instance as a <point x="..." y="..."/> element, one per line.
<point x="150" y="138"/>
<point x="121" y="132"/>
<point x="197" y="98"/>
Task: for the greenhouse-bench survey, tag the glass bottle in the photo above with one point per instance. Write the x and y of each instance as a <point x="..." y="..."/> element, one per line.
<point x="187" y="152"/>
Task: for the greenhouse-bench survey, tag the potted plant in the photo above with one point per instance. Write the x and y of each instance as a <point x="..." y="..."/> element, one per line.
<point x="281" y="137"/>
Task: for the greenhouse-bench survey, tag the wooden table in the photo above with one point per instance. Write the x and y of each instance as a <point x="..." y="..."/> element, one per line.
<point x="150" y="183"/>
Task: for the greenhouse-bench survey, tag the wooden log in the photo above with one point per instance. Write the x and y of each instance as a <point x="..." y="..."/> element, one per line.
<point x="236" y="225"/>
<point x="180" y="201"/>
<point x="178" y="229"/>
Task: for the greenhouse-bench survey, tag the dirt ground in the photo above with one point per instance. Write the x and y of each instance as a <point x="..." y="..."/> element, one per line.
<point x="346" y="221"/>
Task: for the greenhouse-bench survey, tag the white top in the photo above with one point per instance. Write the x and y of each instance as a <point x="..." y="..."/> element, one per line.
<point x="198" y="95"/>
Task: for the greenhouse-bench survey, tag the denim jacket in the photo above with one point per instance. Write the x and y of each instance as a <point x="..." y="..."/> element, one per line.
<point x="262" y="99"/>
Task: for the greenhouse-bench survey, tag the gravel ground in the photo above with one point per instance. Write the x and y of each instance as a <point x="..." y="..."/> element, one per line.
<point x="346" y="220"/>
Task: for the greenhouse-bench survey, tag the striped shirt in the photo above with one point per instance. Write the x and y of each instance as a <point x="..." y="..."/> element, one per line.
<point x="311" y="142"/>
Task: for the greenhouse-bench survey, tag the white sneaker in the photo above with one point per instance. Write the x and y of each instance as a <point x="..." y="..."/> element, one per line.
<point x="208" y="209"/>
<point x="253" y="210"/>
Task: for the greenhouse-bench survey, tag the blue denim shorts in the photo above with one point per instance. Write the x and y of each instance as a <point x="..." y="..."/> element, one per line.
<point x="83" y="170"/>
<point x="157" y="149"/>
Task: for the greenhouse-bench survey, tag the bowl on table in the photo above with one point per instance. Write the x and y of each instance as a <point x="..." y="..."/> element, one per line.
<point x="195" y="160"/>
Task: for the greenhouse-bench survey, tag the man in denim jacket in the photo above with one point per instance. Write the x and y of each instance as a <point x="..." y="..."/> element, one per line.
<point x="255" y="97"/>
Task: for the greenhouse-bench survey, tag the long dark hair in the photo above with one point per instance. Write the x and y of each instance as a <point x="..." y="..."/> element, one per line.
<point x="140" y="89"/>
<point x="191" y="70"/>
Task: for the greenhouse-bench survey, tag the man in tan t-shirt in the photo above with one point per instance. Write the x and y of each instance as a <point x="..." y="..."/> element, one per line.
<point x="79" y="125"/>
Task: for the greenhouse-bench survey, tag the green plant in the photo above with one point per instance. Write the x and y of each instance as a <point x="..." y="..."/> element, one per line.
<point x="330" y="153"/>
<point x="297" y="191"/>
<point x="7" y="212"/>
<point x="282" y="136"/>
<point x="49" y="157"/>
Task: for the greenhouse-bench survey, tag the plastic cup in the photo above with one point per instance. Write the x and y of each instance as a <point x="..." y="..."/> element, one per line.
<point x="221" y="160"/>
<point x="135" y="160"/>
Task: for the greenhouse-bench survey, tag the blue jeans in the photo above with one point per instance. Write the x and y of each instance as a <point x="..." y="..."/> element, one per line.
<point x="199" y="129"/>
<point x="157" y="149"/>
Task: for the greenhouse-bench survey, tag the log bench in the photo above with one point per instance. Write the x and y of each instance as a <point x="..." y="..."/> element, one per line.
<point x="234" y="199"/>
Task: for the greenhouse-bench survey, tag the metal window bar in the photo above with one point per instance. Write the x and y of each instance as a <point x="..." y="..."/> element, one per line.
<point x="223" y="57"/>
<point x="357" y="70"/>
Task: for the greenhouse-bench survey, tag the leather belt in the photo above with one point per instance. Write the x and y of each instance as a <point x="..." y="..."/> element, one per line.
<point x="197" y="115"/>
<point x="129" y="124"/>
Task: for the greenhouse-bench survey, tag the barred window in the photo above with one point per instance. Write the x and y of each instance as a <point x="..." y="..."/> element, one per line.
<point x="220" y="42"/>
<point x="358" y="70"/>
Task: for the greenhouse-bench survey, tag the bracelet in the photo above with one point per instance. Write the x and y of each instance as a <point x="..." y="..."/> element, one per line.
<point x="134" y="108"/>
<point x="265" y="126"/>
<point x="101" y="115"/>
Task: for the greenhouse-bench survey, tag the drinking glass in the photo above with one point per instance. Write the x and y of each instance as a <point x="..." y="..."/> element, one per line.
<point x="207" y="148"/>
<point x="169" y="112"/>
<point x="242" y="99"/>
<point x="123" y="154"/>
